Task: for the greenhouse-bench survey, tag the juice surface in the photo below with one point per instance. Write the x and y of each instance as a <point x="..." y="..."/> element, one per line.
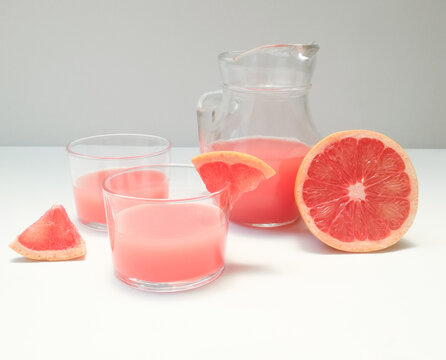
<point x="169" y="242"/>
<point x="273" y="200"/>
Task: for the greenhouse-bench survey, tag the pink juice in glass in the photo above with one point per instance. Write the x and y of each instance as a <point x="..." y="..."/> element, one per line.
<point x="169" y="242"/>
<point x="273" y="200"/>
<point x="88" y="191"/>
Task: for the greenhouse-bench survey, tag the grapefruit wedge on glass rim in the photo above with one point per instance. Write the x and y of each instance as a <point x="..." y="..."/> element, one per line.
<point x="242" y="171"/>
<point x="357" y="191"/>
<point x="53" y="237"/>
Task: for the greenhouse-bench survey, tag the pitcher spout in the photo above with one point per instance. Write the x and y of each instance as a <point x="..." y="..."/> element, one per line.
<point x="283" y="66"/>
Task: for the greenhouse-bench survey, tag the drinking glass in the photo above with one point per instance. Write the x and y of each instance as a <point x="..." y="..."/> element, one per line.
<point x="167" y="232"/>
<point x="93" y="159"/>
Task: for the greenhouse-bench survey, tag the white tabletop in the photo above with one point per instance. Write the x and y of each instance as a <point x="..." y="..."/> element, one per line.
<point x="283" y="295"/>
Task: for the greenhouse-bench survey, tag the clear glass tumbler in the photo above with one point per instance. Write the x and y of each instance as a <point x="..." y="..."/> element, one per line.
<point x="95" y="158"/>
<point x="167" y="232"/>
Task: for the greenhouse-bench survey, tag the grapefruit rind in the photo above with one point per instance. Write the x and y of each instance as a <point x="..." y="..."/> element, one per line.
<point x="243" y="172"/>
<point x="357" y="245"/>
<point x="234" y="157"/>
<point x="50" y="255"/>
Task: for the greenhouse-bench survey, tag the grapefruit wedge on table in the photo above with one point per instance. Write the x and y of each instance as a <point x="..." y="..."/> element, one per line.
<point x="242" y="171"/>
<point x="53" y="237"/>
<point x="357" y="191"/>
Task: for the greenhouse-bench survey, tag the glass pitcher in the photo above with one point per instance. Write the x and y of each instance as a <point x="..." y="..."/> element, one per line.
<point x="263" y="111"/>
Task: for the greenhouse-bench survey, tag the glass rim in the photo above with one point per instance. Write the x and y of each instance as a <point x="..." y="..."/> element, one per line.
<point x="232" y="55"/>
<point x="108" y="191"/>
<point x="86" y="156"/>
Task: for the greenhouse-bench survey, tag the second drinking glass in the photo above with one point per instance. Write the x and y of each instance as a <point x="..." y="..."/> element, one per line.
<point x="95" y="158"/>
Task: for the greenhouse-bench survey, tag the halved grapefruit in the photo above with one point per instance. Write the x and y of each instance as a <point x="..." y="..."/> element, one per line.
<point x="242" y="171"/>
<point x="53" y="237"/>
<point x="357" y="191"/>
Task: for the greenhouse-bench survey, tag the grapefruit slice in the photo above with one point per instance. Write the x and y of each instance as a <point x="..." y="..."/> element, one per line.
<point x="242" y="171"/>
<point x="357" y="191"/>
<point x="53" y="237"/>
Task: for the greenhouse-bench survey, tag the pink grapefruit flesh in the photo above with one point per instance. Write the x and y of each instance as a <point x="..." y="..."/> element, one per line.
<point x="53" y="237"/>
<point x="357" y="191"/>
<point x="243" y="172"/>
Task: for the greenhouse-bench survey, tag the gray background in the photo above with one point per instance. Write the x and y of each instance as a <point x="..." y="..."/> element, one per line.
<point x="70" y="69"/>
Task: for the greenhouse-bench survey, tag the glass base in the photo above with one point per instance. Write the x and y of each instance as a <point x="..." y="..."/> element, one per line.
<point x="168" y="286"/>
<point x="94" y="226"/>
<point x="268" y="225"/>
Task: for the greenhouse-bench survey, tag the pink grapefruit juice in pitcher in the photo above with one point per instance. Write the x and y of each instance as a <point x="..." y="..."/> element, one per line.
<point x="273" y="200"/>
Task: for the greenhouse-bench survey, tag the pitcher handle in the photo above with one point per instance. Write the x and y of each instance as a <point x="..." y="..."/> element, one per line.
<point x="206" y="115"/>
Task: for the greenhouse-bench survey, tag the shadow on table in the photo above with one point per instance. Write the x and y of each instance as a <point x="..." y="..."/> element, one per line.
<point x="237" y="268"/>
<point x="231" y="269"/>
<point x="403" y="244"/>
<point x="264" y="232"/>
<point x="26" y="260"/>
<point x="87" y="231"/>
<point x="298" y="230"/>
<point x="307" y="241"/>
